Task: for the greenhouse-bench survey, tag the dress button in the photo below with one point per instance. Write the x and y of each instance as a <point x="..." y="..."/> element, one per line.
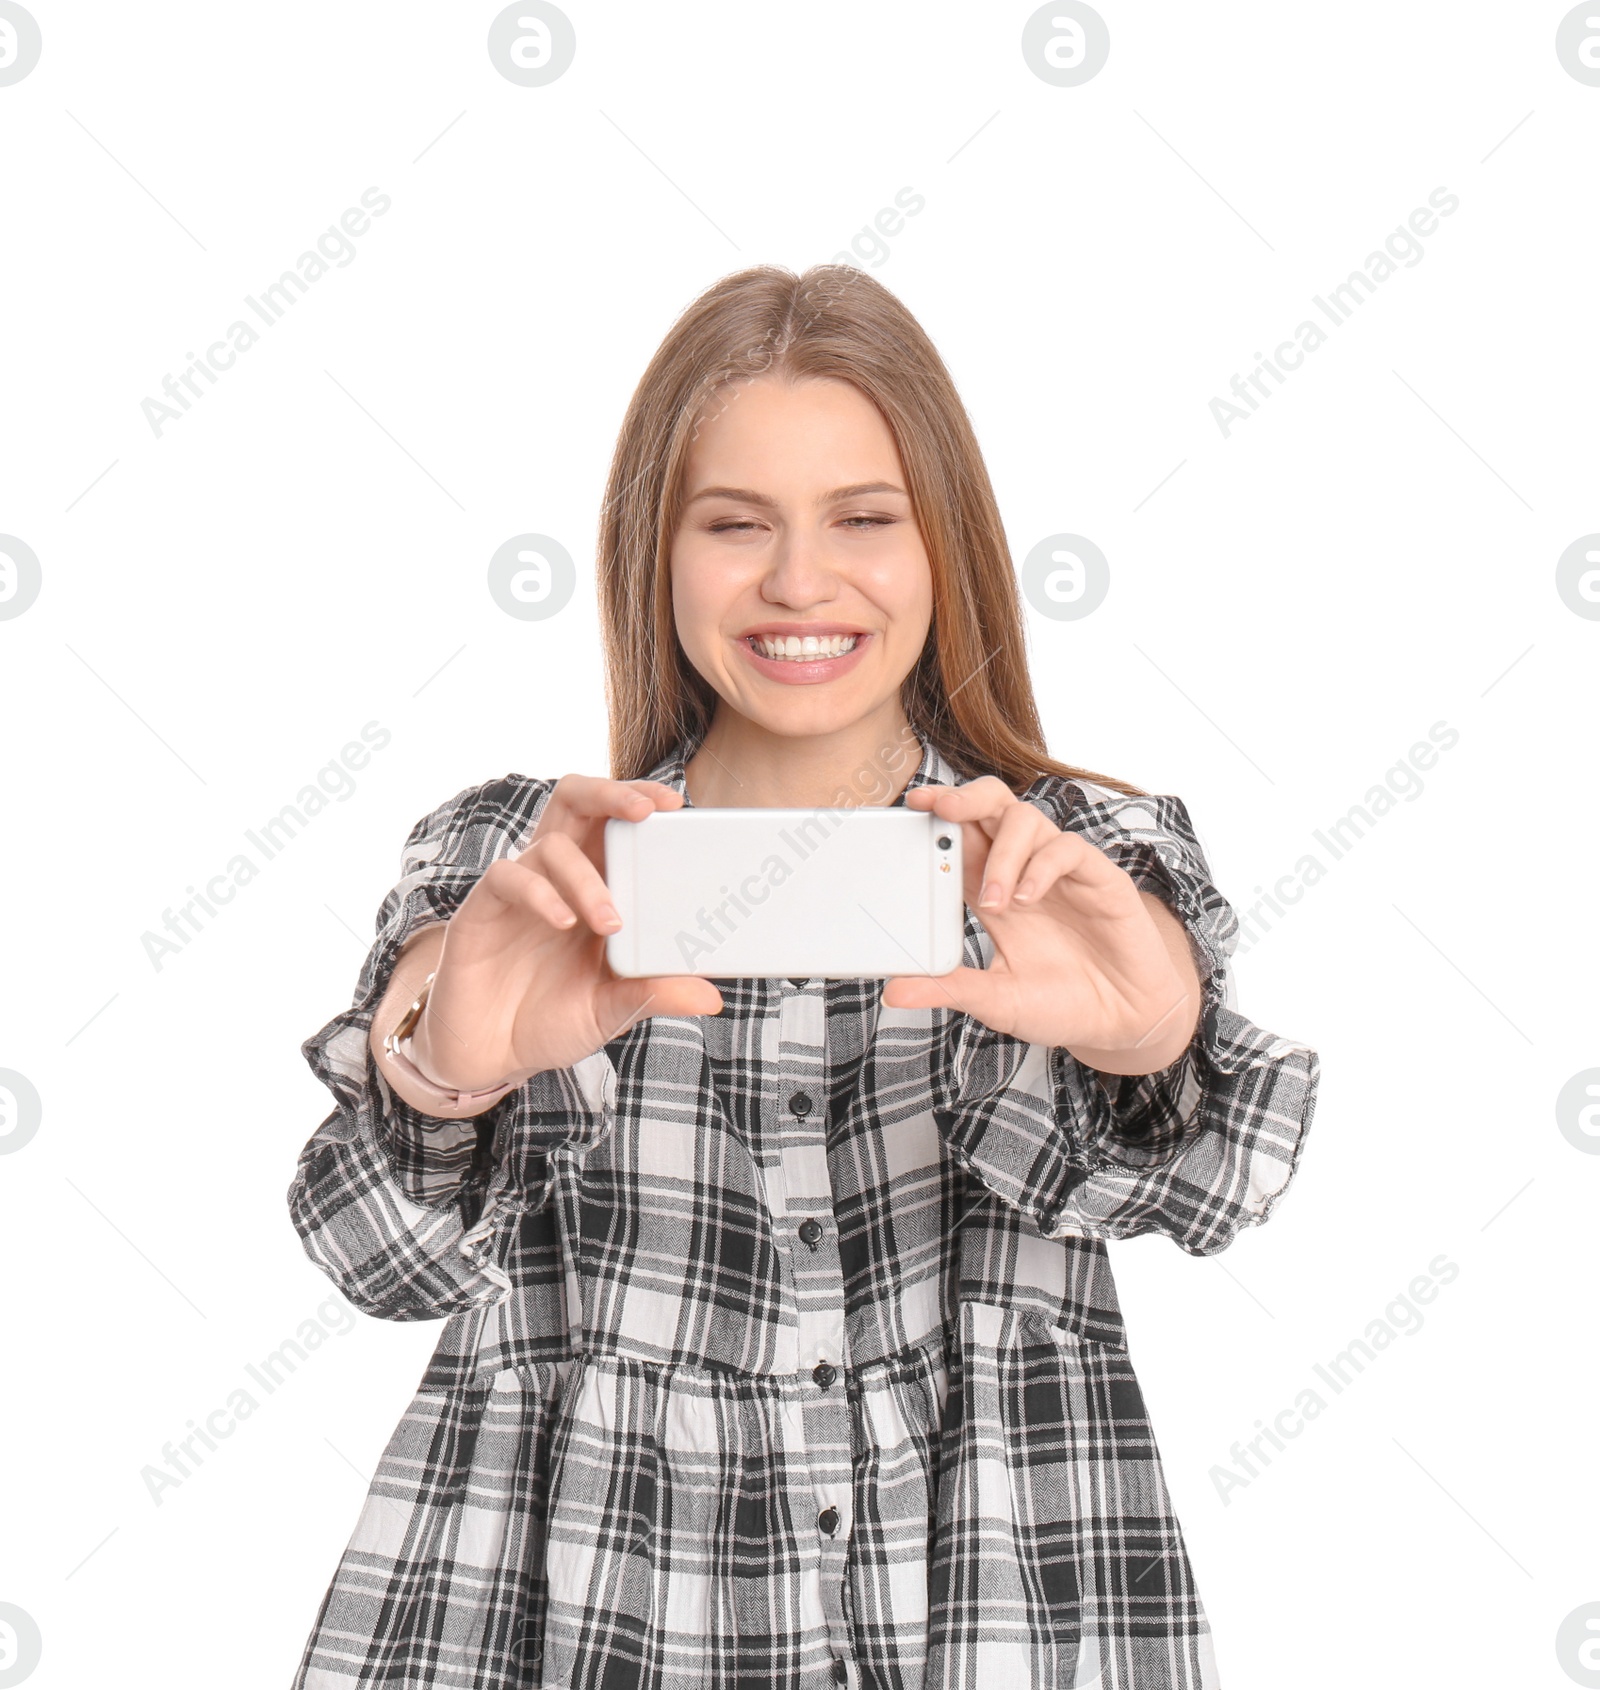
<point x="841" y="1673"/>
<point x="800" y="1104"/>
<point x="828" y="1520"/>
<point x="811" y="1231"/>
<point x="824" y="1374"/>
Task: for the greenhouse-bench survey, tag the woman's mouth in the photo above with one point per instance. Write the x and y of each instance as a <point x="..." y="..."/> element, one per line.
<point x="792" y="648"/>
<point x="798" y="660"/>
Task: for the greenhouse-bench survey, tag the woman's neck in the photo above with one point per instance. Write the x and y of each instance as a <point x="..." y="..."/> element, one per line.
<point x="742" y="763"/>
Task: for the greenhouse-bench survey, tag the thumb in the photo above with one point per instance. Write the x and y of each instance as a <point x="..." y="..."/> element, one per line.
<point x="621" y="1003"/>
<point x="973" y="991"/>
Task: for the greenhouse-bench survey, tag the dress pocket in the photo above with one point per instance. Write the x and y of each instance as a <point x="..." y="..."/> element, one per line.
<point x="449" y="1544"/>
<point x="601" y="1539"/>
<point x="897" y="1407"/>
<point x="404" y="1516"/>
<point x="1057" y="1557"/>
<point x="1007" y="1570"/>
<point x="1070" y="1332"/>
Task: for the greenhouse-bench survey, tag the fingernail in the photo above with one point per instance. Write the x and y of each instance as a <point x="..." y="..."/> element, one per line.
<point x="987" y="895"/>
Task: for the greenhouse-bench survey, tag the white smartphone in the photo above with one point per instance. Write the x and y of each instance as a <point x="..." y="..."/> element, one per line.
<point x="856" y="893"/>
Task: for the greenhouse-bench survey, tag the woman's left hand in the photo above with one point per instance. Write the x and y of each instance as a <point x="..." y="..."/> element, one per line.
<point x="1083" y="958"/>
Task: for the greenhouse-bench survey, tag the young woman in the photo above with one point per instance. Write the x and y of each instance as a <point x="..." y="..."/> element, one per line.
<point x="783" y="1348"/>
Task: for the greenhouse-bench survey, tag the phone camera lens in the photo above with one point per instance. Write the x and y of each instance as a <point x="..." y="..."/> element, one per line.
<point x="943" y="842"/>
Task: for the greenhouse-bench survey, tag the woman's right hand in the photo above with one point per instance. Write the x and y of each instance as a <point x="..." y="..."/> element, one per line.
<point x="522" y="983"/>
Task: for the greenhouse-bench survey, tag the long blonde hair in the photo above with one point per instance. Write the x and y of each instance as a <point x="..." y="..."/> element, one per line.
<point x="969" y="692"/>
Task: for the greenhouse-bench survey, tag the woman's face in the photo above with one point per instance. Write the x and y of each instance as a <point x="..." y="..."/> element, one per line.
<point x="797" y="523"/>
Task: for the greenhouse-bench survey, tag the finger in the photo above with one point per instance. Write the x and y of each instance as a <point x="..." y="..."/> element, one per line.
<point x="1068" y="862"/>
<point x="518" y="883"/>
<point x="568" y="867"/>
<point x="577" y="802"/>
<point x="980" y="807"/>
<point x="1065" y="861"/>
<point x="982" y="801"/>
<point x="1022" y="832"/>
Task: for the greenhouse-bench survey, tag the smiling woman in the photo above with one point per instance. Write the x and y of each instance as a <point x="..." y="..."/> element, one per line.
<point x="806" y="427"/>
<point x="757" y="540"/>
<point x="782" y="1343"/>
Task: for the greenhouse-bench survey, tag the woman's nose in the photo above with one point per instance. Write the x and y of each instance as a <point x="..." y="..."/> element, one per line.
<point x="800" y="571"/>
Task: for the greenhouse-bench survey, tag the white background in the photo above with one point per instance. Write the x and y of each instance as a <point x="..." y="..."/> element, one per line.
<point x="226" y="604"/>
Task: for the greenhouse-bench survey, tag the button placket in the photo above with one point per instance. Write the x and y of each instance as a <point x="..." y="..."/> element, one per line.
<point x="826" y="1475"/>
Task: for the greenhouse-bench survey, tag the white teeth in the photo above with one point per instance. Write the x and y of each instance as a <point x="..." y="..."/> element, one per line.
<point x="794" y="648"/>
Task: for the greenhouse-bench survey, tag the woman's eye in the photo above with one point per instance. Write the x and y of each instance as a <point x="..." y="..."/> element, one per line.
<point x="736" y="525"/>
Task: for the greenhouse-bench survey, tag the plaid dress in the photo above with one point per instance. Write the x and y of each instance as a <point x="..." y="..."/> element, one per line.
<point x="781" y="1347"/>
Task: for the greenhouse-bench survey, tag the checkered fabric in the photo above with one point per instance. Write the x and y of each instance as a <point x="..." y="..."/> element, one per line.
<point x="781" y="1346"/>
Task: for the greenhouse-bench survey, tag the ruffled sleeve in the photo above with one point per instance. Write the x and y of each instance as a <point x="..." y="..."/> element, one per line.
<point x="405" y="1211"/>
<point x="1196" y="1151"/>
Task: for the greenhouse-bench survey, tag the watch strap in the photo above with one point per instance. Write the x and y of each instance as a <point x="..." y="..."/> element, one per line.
<point x="398" y="1056"/>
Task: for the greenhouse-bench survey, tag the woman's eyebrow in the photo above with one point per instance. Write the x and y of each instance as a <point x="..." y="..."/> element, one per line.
<point x="749" y="496"/>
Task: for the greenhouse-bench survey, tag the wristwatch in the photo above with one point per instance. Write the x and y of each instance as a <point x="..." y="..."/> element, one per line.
<point x="402" y="1062"/>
